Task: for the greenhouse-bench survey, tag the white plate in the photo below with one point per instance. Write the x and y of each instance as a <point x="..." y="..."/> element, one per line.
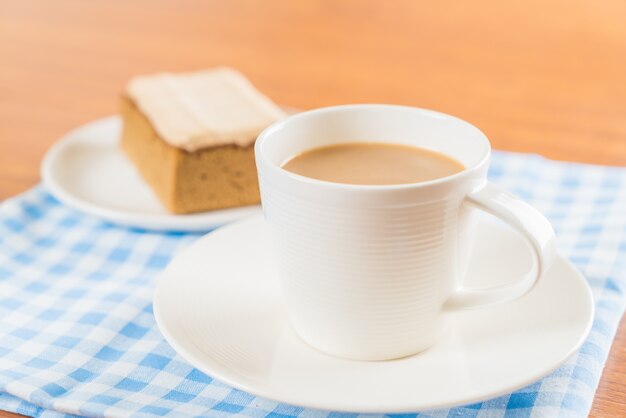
<point x="87" y="171"/>
<point x="219" y="305"/>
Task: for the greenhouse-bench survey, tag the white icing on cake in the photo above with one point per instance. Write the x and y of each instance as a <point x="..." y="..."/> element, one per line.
<point x="203" y="109"/>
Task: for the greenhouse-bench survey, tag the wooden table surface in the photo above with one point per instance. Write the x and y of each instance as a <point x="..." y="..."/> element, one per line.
<point x="541" y="76"/>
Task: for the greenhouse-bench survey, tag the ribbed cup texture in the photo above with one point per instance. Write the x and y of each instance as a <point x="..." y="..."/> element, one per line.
<point x="367" y="283"/>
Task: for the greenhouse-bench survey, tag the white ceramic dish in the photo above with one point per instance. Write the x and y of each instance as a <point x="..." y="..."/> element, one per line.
<point x="87" y="171"/>
<point x="219" y="305"/>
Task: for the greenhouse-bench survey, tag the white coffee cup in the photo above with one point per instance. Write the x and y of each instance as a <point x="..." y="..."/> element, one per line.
<point x="372" y="272"/>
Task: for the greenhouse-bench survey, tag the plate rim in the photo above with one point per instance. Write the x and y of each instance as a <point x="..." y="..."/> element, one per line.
<point x="196" y="222"/>
<point x="216" y="373"/>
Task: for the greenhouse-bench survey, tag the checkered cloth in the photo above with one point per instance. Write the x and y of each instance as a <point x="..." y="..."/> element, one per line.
<point x="77" y="333"/>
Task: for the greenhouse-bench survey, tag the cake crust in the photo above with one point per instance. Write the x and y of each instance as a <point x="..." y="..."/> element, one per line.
<point x="211" y="178"/>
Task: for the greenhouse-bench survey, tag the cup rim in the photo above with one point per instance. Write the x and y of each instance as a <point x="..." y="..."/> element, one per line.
<point x="276" y="169"/>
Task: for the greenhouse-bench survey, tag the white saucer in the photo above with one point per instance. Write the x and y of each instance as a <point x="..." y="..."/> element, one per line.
<point x="219" y="305"/>
<point x="86" y="170"/>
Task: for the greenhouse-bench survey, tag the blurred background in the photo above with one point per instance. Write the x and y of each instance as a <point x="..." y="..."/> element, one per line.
<point x="536" y="76"/>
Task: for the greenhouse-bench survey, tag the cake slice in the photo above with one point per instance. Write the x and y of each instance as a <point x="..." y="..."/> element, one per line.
<point x="191" y="137"/>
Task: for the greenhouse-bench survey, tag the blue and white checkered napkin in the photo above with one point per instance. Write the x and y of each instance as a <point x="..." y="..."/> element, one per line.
<point x="77" y="334"/>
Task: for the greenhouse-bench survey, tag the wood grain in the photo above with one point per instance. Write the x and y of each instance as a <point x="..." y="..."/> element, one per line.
<point x="547" y="77"/>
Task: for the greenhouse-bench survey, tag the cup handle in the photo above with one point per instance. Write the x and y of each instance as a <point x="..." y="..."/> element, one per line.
<point x="533" y="226"/>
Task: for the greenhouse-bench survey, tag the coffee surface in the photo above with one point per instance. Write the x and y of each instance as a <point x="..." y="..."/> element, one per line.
<point x="372" y="163"/>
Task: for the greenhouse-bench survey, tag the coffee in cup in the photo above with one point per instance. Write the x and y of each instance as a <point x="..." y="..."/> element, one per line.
<point x="374" y="163"/>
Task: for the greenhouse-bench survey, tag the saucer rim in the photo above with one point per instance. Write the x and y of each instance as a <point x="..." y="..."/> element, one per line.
<point x="245" y="384"/>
